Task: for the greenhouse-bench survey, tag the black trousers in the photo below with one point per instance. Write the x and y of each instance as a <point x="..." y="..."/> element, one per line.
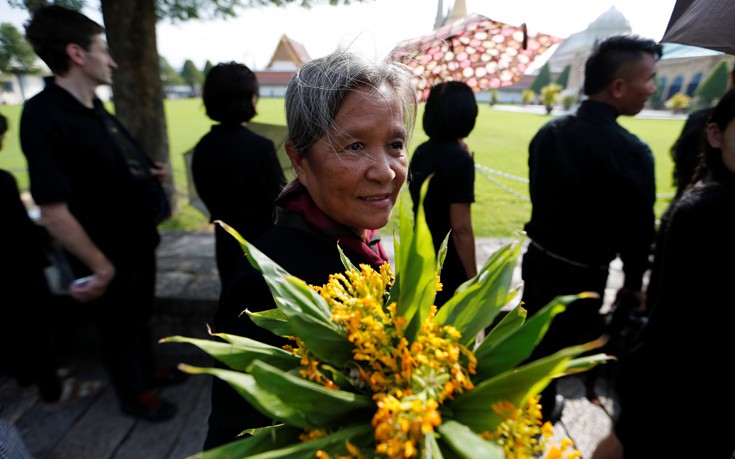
<point x="27" y="334"/>
<point x="122" y="318"/>
<point x="545" y="278"/>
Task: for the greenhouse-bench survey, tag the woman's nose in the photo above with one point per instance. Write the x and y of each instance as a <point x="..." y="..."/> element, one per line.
<point x="382" y="167"/>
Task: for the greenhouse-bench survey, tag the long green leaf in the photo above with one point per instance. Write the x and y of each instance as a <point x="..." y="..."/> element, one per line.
<point x="290" y="399"/>
<point x="273" y="320"/>
<point x="334" y="443"/>
<point x="289" y="292"/>
<point x="260" y="397"/>
<point x="325" y="341"/>
<point x="474" y="308"/>
<point x="508" y="324"/>
<point x="346" y="262"/>
<point x="474" y="408"/>
<point x="240" y="353"/>
<point x="495" y="355"/>
<point x="269" y="439"/>
<point x="316" y="406"/>
<point x="415" y="274"/>
<point x="466" y="444"/>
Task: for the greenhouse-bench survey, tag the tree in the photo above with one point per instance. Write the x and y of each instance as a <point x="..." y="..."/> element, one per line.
<point x="131" y="35"/>
<point x="207" y="67"/>
<point x="714" y="84"/>
<point x="542" y="79"/>
<point x="549" y="96"/>
<point x="192" y="76"/>
<point x="16" y="55"/>
<point x="563" y="78"/>
<point x="169" y="75"/>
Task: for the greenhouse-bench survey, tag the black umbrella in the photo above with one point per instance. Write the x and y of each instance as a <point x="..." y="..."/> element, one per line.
<point x="703" y="23"/>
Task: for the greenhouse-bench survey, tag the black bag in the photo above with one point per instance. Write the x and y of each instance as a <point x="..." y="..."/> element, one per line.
<point x="140" y="165"/>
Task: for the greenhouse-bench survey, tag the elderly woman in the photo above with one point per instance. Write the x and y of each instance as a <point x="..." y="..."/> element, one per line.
<point x="349" y="121"/>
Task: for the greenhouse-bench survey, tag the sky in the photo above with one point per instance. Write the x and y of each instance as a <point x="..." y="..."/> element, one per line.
<point x="373" y="27"/>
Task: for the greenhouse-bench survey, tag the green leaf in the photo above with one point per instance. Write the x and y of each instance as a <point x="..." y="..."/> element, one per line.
<point x="291" y="399"/>
<point x="327" y="342"/>
<point x="289" y="292"/>
<point x="266" y="439"/>
<point x="495" y="356"/>
<point x="467" y="444"/>
<point x="441" y="255"/>
<point x="312" y="405"/>
<point x="240" y="352"/>
<point x="244" y="384"/>
<point x="474" y="408"/>
<point x="415" y="268"/>
<point x="273" y="320"/>
<point x="330" y="443"/>
<point x="475" y="306"/>
<point x="346" y="262"/>
<point x="432" y="447"/>
<point x="510" y="322"/>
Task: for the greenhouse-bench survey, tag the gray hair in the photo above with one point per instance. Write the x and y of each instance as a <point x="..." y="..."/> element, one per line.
<point x="317" y="90"/>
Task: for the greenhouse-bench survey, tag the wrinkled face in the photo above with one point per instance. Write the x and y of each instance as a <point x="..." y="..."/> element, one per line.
<point x="97" y="64"/>
<point x="725" y="141"/>
<point x="638" y="85"/>
<point x="355" y="174"/>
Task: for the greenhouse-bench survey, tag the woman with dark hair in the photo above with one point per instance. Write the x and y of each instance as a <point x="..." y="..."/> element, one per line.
<point x="236" y="171"/>
<point x="449" y="117"/>
<point x="689" y="332"/>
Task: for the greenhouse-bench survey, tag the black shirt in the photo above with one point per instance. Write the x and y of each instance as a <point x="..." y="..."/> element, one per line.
<point x="453" y="182"/>
<point x="71" y="158"/>
<point x="592" y="189"/>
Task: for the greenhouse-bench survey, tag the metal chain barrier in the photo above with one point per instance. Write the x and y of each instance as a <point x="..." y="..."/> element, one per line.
<point x="486" y="171"/>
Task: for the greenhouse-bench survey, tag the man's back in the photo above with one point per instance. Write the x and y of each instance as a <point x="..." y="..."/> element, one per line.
<point x="592" y="186"/>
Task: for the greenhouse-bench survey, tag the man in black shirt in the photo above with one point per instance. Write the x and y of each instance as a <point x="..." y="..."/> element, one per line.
<point x="91" y="203"/>
<point x="592" y="188"/>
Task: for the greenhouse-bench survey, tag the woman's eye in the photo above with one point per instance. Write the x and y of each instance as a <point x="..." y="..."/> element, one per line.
<point x="397" y="145"/>
<point x="357" y="146"/>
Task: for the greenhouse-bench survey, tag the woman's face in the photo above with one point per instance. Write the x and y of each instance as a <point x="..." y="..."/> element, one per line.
<point x="725" y="141"/>
<point x="355" y="174"/>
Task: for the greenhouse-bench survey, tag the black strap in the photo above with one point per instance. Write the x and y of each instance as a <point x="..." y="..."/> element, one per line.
<point x="138" y="161"/>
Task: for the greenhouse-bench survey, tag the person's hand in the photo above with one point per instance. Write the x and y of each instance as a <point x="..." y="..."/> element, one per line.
<point x="91" y="287"/>
<point x="160" y="171"/>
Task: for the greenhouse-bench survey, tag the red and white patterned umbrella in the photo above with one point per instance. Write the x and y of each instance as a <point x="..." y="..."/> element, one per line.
<point x="475" y="49"/>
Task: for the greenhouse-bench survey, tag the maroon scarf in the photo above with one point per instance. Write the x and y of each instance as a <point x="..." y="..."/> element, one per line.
<point x="297" y="199"/>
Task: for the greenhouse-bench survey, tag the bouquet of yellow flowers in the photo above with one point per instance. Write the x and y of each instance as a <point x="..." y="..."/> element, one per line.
<point x="375" y="371"/>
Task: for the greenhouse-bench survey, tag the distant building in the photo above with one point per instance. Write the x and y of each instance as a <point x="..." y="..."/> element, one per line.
<point x="287" y="58"/>
<point x="680" y="69"/>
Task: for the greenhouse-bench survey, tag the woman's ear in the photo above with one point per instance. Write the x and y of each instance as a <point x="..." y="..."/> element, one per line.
<point x="295" y="157"/>
<point x="714" y="135"/>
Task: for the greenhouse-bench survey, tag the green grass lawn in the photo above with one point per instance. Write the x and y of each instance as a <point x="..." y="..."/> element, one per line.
<point x="499" y="140"/>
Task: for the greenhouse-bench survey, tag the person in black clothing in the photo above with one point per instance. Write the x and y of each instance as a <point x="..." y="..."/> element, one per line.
<point x="27" y="301"/>
<point x="349" y="121"/>
<point x="236" y="171"/>
<point x="449" y="117"/>
<point x="691" y="318"/>
<point x="93" y="205"/>
<point x="592" y="189"/>
<point x="688" y="146"/>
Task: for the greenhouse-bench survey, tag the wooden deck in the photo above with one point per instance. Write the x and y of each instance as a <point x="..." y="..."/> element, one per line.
<point x="94" y="428"/>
